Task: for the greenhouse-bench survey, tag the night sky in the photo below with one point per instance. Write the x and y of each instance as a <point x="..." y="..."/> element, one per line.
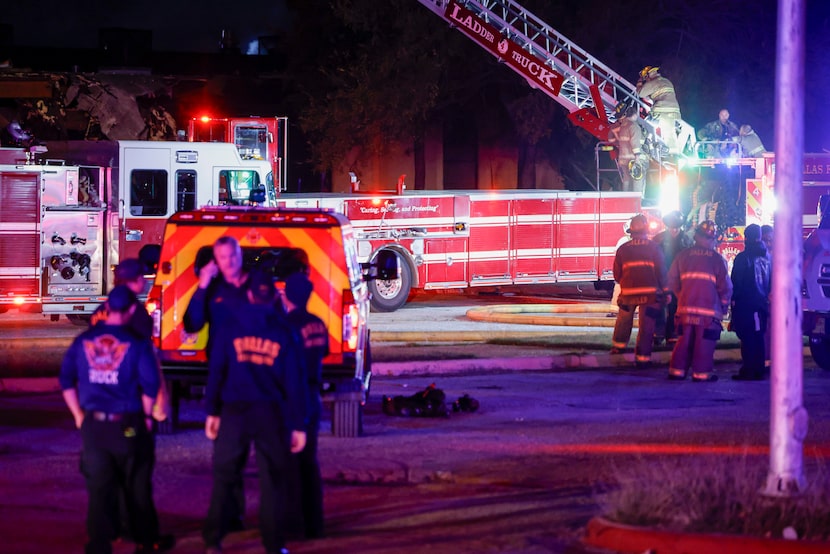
<point x="177" y="25"/>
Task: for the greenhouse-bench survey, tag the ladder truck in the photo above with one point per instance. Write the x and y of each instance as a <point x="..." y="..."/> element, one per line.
<point x="554" y="64"/>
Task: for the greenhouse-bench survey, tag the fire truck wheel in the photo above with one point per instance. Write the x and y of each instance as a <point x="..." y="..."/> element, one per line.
<point x="78" y="319"/>
<point x="389" y="295"/>
<point x="820" y="350"/>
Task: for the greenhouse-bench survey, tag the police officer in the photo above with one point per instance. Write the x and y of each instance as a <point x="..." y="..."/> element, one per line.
<point x="256" y="392"/>
<point x="110" y="380"/>
<point x="315" y="339"/>
<point x="751" y="272"/>
<point x="700" y="280"/>
<point x="671" y="241"/>
<point x="641" y="272"/>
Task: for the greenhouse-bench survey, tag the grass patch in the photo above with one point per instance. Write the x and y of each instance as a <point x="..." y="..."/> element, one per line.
<point x="716" y="494"/>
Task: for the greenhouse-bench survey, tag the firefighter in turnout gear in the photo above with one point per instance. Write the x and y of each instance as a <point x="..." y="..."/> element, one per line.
<point x="640" y="270"/>
<point x="658" y="91"/>
<point x="671" y="241"/>
<point x="700" y="279"/>
<point x="627" y="136"/>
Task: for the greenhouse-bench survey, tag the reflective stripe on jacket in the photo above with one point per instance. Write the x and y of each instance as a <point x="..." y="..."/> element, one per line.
<point x="640" y="270"/>
<point x="699" y="279"/>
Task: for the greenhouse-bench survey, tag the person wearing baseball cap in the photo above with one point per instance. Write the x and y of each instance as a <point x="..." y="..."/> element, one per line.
<point x="110" y="379"/>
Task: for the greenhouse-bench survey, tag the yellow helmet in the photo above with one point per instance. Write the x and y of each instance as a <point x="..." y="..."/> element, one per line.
<point x="648" y="71"/>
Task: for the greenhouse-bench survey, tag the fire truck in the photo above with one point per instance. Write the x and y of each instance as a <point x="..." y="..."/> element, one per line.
<point x="256" y="138"/>
<point x="455" y="240"/>
<point x="69" y="212"/>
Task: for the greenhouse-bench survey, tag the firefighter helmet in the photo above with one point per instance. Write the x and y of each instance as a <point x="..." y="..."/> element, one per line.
<point x="639" y="224"/>
<point x="635" y="169"/>
<point x="674" y="220"/>
<point x="648" y="71"/>
<point x="707" y="229"/>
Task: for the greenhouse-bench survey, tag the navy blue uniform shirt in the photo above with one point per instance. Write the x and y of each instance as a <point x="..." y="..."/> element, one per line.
<point x="256" y="358"/>
<point x="315" y="340"/>
<point x="213" y="304"/>
<point x="112" y="368"/>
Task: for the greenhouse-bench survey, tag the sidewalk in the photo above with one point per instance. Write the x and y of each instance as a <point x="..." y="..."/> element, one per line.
<point x="396" y="353"/>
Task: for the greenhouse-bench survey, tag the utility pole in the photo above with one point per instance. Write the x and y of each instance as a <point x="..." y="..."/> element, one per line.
<point x="788" y="418"/>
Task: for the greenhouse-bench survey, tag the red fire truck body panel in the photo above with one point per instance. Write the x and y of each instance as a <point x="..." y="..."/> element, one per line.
<point x="460" y="239"/>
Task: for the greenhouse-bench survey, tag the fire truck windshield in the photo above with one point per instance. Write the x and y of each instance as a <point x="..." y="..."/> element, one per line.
<point x="252" y="141"/>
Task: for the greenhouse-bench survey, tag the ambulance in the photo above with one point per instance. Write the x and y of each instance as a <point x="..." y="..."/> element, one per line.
<point x="282" y="241"/>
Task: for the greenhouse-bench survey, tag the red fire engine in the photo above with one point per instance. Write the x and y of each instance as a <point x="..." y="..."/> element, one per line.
<point x="258" y="138"/>
<point x="70" y="214"/>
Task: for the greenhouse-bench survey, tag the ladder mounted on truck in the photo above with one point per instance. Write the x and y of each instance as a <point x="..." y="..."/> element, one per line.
<point x="549" y="61"/>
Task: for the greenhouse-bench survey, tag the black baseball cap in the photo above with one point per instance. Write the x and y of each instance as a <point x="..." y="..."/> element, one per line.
<point x="298" y="289"/>
<point x="128" y="270"/>
<point x="121" y="298"/>
<point x="261" y="285"/>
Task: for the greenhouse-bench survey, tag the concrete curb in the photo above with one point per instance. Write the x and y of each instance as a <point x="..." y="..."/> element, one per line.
<point x="627" y="539"/>
<point x="533" y="363"/>
<point x="30" y="384"/>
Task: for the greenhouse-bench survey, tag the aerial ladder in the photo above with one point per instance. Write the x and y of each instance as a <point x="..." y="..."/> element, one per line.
<point x="589" y="90"/>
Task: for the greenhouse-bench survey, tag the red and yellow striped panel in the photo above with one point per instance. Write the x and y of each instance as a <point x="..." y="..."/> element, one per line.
<point x="754" y="200"/>
<point x="324" y="246"/>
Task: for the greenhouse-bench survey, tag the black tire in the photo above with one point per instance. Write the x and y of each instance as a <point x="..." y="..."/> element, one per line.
<point x="820" y="350"/>
<point x="347" y="413"/>
<point x="82" y="320"/>
<point x="389" y="295"/>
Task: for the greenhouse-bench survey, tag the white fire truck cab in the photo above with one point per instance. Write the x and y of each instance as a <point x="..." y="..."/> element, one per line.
<point x="69" y="215"/>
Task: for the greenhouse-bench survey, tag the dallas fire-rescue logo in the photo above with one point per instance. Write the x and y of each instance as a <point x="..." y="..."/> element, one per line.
<point x="257" y="350"/>
<point x="104" y="355"/>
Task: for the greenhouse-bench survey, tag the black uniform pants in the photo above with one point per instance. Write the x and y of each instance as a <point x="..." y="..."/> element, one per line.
<point x="116" y="456"/>
<point x="260" y="423"/>
<point x="310" y="485"/>
<point x="751" y="325"/>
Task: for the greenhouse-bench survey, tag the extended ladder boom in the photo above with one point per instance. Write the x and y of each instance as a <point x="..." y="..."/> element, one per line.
<point x="549" y="61"/>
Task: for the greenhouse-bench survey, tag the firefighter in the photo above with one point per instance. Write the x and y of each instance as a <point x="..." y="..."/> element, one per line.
<point x="627" y="135"/>
<point x="130" y="273"/>
<point x="315" y="340"/>
<point x="751" y="272"/>
<point x="700" y="280"/>
<point x="110" y="379"/>
<point x="671" y="241"/>
<point x="658" y="91"/>
<point x="256" y="393"/>
<point x="722" y="130"/>
<point x="641" y="272"/>
<point x="220" y="291"/>
<point x="751" y="145"/>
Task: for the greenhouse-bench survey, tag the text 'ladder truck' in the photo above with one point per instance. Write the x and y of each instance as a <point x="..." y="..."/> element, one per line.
<point x="588" y="89"/>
